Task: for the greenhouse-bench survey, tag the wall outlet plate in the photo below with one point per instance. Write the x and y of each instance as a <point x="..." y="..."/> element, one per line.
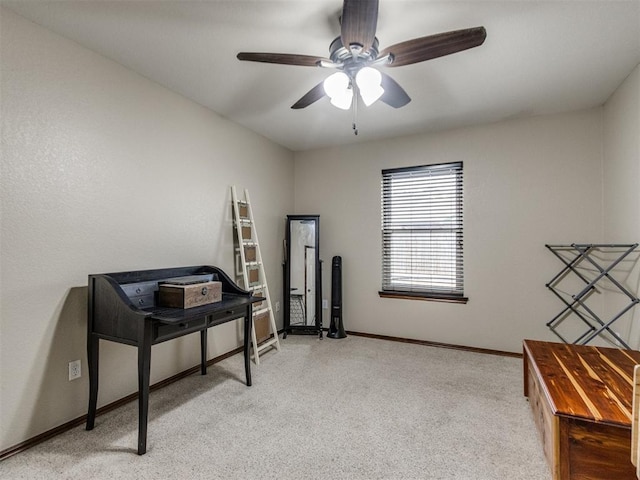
<point x="277" y="306"/>
<point x="75" y="370"/>
<point x="325" y="304"/>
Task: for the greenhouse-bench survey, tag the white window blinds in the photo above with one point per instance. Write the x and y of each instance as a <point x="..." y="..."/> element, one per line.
<point x="422" y="230"/>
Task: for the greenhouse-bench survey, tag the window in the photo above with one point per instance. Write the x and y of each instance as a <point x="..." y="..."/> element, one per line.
<point x="422" y="232"/>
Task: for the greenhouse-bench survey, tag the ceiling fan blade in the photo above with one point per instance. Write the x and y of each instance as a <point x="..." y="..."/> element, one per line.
<point x="359" y="22"/>
<point x="434" y="46"/>
<point x="313" y="95"/>
<point x="282" y="58"/>
<point x="394" y="95"/>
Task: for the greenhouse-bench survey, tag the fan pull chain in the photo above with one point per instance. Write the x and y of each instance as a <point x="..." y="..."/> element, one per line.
<point x="355" y="110"/>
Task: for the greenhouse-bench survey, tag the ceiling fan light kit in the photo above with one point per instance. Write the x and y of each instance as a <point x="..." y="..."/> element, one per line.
<point x="369" y="84"/>
<point x="339" y="89"/>
<point x="355" y="52"/>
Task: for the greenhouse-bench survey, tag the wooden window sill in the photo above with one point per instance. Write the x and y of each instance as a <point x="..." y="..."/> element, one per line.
<point x="429" y="297"/>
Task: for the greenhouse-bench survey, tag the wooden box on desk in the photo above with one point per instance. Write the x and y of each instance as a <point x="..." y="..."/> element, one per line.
<point x="189" y="296"/>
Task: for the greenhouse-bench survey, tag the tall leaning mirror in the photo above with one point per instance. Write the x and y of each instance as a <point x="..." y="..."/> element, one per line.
<point x="302" y="303"/>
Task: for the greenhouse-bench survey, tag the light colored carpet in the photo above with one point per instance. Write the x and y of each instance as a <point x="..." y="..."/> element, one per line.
<point x="354" y="408"/>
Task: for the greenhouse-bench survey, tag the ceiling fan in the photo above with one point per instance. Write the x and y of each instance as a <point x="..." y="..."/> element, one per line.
<point x="356" y="57"/>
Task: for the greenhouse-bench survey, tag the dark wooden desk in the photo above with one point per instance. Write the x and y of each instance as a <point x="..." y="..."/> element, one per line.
<point x="123" y="308"/>
<point x="581" y="400"/>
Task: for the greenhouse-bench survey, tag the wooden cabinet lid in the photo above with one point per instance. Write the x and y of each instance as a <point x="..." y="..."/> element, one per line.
<point x="589" y="382"/>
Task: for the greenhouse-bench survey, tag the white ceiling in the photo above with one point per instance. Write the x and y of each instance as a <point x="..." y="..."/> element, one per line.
<point x="539" y="57"/>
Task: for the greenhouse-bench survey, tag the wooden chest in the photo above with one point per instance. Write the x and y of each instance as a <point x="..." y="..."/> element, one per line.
<point x="190" y="295"/>
<point x="581" y="401"/>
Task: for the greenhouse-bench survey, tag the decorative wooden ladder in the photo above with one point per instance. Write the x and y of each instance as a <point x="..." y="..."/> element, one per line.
<point x="252" y="273"/>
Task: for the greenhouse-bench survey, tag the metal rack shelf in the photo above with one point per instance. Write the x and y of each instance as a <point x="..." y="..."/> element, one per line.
<point x="572" y="256"/>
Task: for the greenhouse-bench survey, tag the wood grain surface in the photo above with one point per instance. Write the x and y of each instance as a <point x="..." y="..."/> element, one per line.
<point x="581" y="398"/>
<point x="635" y="421"/>
<point x="594" y="383"/>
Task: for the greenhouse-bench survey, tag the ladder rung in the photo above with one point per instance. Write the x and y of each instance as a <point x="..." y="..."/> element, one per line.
<point x="260" y="312"/>
<point x="253" y="264"/>
<point x="246" y="245"/>
<point x="267" y="344"/>
<point x="253" y="288"/>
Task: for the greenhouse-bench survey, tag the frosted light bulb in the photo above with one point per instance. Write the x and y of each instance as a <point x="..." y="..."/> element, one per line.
<point x="369" y="82"/>
<point x="336" y="86"/>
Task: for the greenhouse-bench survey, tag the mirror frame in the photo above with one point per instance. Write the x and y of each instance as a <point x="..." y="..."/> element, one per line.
<point x="286" y="291"/>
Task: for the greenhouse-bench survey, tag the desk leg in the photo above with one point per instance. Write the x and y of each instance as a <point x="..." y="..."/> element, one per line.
<point x="144" y="370"/>
<point x="248" y="322"/>
<point x="203" y="352"/>
<point x="92" y="356"/>
<point x="525" y="371"/>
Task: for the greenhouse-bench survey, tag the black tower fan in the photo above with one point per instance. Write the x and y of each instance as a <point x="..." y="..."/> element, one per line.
<point x="336" y="329"/>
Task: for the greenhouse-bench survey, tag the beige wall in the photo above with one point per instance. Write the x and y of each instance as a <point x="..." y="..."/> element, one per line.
<point x="621" y="177"/>
<point x="103" y="170"/>
<point x="526" y="183"/>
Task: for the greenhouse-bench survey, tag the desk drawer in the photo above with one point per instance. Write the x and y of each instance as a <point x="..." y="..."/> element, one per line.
<point x="165" y="331"/>
<point x="139" y="289"/>
<point x="227" y="315"/>
<point x="141" y="294"/>
<point x="143" y="301"/>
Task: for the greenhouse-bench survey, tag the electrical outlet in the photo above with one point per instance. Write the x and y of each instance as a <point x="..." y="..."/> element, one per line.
<point x="277" y="306"/>
<point x="75" y="370"/>
<point x="325" y="304"/>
